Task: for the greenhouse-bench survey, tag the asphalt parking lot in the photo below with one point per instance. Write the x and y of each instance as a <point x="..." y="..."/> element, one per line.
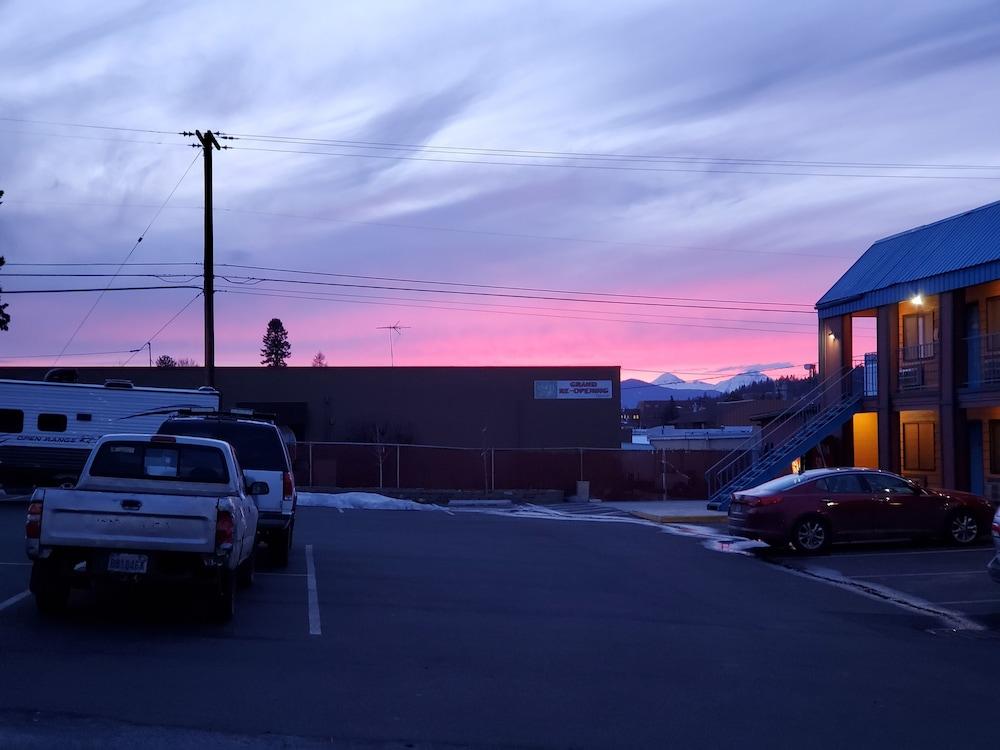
<point x="946" y="577"/>
<point x="435" y="629"/>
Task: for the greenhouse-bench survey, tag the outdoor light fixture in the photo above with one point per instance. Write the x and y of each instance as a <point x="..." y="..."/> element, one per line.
<point x="917" y="299"/>
<point x="832" y="335"/>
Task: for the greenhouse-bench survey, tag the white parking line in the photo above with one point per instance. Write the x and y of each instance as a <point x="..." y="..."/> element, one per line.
<point x="972" y="601"/>
<point x="284" y="575"/>
<point x="17" y="563"/>
<point x="314" y="624"/>
<point x="977" y="571"/>
<point x="6" y="603"/>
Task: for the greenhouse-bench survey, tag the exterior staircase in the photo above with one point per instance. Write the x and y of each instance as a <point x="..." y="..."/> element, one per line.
<point x="790" y="435"/>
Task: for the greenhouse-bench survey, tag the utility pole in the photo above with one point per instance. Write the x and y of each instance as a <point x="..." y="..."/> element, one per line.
<point x="208" y="141"/>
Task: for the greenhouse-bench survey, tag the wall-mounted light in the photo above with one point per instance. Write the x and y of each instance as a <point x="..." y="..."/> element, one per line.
<point x="917" y="299"/>
<point x="832" y="336"/>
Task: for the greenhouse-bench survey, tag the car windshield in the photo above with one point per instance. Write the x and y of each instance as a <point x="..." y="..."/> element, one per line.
<point x="137" y="460"/>
<point x="257" y="446"/>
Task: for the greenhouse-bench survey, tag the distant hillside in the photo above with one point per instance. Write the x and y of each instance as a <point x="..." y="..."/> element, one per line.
<point x="634" y="391"/>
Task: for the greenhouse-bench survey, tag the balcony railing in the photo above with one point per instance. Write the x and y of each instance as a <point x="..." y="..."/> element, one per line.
<point x="919" y="367"/>
<point x="866" y="368"/>
<point x="983" y="358"/>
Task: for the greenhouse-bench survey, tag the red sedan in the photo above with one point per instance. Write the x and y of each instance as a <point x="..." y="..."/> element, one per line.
<point x="819" y="507"/>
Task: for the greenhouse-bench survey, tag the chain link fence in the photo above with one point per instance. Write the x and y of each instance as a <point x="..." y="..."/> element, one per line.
<point x="612" y="474"/>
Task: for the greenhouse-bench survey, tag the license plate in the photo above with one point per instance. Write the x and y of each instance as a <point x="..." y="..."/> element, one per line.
<point x="121" y="562"/>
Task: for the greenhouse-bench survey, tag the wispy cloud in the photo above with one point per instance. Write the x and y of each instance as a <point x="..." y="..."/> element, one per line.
<point x="834" y="82"/>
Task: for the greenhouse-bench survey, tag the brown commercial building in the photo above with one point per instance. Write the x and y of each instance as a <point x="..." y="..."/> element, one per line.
<point x="472" y="407"/>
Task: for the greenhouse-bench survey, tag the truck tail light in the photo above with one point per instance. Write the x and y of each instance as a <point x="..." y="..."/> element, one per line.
<point x="33" y="523"/>
<point x="224" y="530"/>
<point x="287" y="486"/>
<point x="996" y="528"/>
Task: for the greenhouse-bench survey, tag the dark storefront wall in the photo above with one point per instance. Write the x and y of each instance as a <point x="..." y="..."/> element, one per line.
<point x="473" y="407"/>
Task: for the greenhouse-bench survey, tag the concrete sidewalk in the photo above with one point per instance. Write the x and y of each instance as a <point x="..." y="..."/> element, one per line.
<point x="670" y="511"/>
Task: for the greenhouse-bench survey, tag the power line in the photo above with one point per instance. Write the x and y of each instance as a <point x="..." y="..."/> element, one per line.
<point x="290" y="295"/>
<point x="342" y="295"/>
<point x="93" y="127"/>
<point x="156" y="215"/>
<point x="436" y="305"/>
<point x="162" y="328"/>
<point x="513" y="288"/>
<point x="71" y="354"/>
<point x="617" y="168"/>
<point x="511" y="295"/>
<point x="251" y="279"/>
<point x="520" y="152"/>
<point x="99" y="289"/>
<point x="109" y="263"/>
<point x="477" y="150"/>
<point x="89" y="138"/>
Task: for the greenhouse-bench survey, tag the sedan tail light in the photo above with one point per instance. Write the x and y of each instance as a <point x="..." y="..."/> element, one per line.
<point x="758" y="502"/>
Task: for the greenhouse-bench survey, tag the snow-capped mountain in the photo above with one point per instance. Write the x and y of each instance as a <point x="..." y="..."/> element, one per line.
<point x="669" y="380"/>
<point x="668" y="385"/>
<point x="738" y="381"/>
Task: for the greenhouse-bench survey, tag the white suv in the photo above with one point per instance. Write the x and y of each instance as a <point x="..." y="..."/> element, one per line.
<point x="263" y="456"/>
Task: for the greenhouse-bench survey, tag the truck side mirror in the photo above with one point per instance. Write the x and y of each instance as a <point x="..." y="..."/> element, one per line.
<point x="259" y="488"/>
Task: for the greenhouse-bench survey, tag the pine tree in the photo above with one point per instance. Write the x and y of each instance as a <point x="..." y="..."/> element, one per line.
<point x="165" y="360"/>
<point x="319" y="360"/>
<point x="276" y="348"/>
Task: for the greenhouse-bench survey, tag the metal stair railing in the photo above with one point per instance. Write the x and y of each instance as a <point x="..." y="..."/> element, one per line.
<point x="743" y="459"/>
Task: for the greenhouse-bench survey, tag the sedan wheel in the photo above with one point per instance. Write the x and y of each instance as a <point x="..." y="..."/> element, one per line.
<point x="810" y="535"/>
<point x="963" y="528"/>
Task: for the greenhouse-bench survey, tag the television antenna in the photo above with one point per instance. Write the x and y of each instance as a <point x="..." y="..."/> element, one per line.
<point x="398" y="330"/>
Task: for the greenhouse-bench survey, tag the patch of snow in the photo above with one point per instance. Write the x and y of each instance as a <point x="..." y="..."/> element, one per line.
<point x="360" y="500"/>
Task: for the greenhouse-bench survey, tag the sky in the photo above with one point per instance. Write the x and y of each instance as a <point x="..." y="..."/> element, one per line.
<point x="765" y="103"/>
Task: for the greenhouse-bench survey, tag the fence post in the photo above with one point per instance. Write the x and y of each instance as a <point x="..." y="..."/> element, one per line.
<point x="663" y="468"/>
<point x="310" y="465"/>
<point x="581" y="463"/>
<point x="398" y="450"/>
<point x="493" y="468"/>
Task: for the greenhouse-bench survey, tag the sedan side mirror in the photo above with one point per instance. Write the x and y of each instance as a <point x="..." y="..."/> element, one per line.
<point x="259" y="488"/>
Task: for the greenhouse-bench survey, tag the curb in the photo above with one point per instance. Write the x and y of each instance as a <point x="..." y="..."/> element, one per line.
<point x="694" y="518"/>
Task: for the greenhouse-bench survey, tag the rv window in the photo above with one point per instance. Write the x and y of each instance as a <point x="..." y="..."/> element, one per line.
<point x="84" y="417"/>
<point x="52" y="422"/>
<point x="11" y="420"/>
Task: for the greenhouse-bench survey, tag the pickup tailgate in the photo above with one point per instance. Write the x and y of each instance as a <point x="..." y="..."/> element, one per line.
<point x="119" y="520"/>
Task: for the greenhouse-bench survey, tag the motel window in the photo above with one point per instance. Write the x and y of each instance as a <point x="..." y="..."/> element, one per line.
<point x="994" y="446"/>
<point x="918" y="336"/>
<point x="52" y="423"/>
<point x="918" y="446"/>
<point x="11" y="420"/>
<point x="993" y="324"/>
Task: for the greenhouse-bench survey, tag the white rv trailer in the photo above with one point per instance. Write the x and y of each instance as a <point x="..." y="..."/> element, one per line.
<point x="48" y="428"/>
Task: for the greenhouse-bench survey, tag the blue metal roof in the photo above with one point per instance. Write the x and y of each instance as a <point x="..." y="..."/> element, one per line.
<point x="949" y="254"/>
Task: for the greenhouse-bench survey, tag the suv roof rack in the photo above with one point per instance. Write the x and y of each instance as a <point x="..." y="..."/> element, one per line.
<point x="230" y="414"/>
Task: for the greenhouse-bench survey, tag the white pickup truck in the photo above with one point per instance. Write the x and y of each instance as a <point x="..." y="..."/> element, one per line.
<point x="147" y="509"/>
